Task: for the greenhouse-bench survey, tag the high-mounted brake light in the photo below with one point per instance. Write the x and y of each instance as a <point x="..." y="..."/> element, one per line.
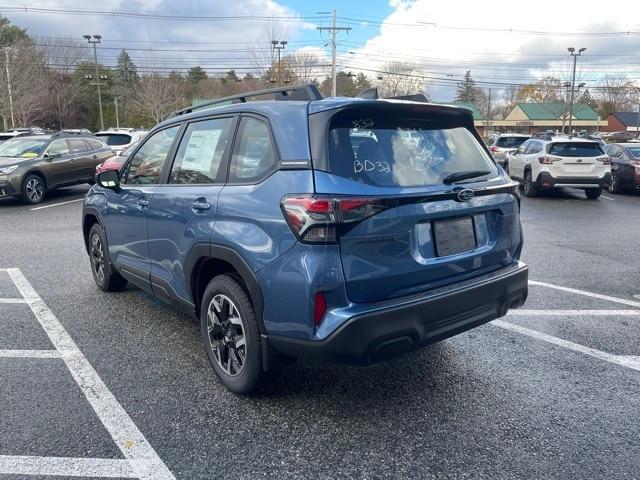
<point x="314" y="218"/>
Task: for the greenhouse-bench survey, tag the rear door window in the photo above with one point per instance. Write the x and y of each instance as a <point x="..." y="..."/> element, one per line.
<point x="575" y="149"/>
<point x="510" y="142"/>
<point x="402" y="152"/>
<point x="78" y="145"/>
<point x="635" y="151"/>
<point x="254" y="155"/>
<point x="201" y="150"/>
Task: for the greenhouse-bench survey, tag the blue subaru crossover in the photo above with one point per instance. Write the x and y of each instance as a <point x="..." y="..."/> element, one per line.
<point x="349" y="230"/>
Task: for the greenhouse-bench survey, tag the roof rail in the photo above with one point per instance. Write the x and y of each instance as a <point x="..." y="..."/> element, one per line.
<point x="296" y="92"/>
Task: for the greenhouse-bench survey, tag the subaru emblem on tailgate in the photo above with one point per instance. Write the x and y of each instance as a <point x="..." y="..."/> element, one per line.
<point x="465" y="195"/>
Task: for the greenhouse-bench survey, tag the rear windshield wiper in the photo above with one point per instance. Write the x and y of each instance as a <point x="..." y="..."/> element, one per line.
<point x="457" y="176"/>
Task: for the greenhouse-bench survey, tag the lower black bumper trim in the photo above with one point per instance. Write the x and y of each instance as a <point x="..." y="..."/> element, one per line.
<point x="399" y="329"/>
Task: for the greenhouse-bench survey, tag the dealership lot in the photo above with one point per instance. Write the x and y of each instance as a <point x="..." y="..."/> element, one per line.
<point x="118" y="385"/>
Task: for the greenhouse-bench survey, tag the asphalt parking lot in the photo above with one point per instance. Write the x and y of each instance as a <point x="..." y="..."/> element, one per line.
<point x="102" y="385"/>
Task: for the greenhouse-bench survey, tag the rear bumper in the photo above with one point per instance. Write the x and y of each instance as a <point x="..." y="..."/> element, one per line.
<point x="546" y="180"/>
<point x="389" y="330"/>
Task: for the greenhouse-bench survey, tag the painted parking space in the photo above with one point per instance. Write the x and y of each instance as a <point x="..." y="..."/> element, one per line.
<point x="139" y="459"/>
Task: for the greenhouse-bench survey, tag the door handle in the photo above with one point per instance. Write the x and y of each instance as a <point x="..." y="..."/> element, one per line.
<point x="200" y="205"/>
<point x="143" y="202"/>
<point x="95" y="157"/>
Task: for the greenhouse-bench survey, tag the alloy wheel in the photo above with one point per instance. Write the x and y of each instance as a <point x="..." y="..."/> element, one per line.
<point x="34" y="189"/>
<point x="226" y="335"/>
<point x="97" y="257"/>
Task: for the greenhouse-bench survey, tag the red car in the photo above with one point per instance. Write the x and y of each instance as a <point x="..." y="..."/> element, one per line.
<point x="116" y="162"/>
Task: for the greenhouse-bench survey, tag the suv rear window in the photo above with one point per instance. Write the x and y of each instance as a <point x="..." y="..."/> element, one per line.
<point x="114" y="139"/>
<point x="575" y="149"/>
<point x="402" y="152"/>
<point x="510" y="142"/>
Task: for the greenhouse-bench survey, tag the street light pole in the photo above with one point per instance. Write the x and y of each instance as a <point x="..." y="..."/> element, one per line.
<point x="279" y="45"/>
<point x="572" y="52"/>
<point x="94" y="40"/>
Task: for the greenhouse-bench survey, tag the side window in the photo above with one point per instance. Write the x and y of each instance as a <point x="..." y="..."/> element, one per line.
<point x="146" y="165"/>
<point x="615" y="151"/>
<point x="95" y="144"/>
<point x="200" y="152"/>
<point x="253" y="155"/>
<point x="534" y="147"/>
<point x="521" y="149"/>
<point x="59" y="146"/>
<point x="78" y="145"/>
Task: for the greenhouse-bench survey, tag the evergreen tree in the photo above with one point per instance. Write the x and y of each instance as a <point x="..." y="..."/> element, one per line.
<point x="589" y="100"/>
<point x="196" y="74"/>
<point x="126" y="79"/>
<point x="362" y="82"/>
<point x="11" y="34"/>
<point x="467" y="91"/>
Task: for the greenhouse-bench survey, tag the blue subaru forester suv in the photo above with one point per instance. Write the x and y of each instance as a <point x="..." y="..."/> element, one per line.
<point x="344" y="229"/>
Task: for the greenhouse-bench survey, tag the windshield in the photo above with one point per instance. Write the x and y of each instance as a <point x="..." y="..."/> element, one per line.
<point x="114" y="139"/>
<point x="22" y="148"/>
<point x="403" y="154"/>
<point x="576" y="149"/>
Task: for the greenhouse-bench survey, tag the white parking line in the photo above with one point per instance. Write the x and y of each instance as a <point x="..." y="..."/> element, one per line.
<point x="622" y="301"/>
<point x="65" y="466"/>
<point x="521" y="312"/>
<point x="30" y="354"/>
<point x="143" y="460"/>
<point x="628" y="361"/>
<point x="608" y="198"/>
<point x="57" y="204"/>
<point x="12" y="300"/>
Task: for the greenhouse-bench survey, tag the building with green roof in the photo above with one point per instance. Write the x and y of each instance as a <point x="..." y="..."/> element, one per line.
<point x="534" y="117"/>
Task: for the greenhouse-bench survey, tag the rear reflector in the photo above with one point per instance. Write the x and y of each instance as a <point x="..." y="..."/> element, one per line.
<point x="319" y="308"/>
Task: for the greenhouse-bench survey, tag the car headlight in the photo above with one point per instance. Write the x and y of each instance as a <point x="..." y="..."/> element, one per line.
<point x="7" y="170"/>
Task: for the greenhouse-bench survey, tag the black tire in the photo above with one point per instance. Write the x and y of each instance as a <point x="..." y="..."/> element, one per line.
<point x="593" y="193"/>
<point x="33" y="189"/>
<point x="529" y="188"/>
<point x="236" y="357"/>
<point x="614" y="186"/>
<point x="105" y="276"/>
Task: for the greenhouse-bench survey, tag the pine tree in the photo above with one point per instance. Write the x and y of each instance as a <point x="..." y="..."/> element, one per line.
<point x="196" y="74"/>
<point x="467" y="91"/>
<point x="589" y="100"/>
<point x="125" y="82"/>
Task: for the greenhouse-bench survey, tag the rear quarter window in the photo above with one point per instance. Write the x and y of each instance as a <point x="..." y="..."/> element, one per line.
<point x="575" y="149"/>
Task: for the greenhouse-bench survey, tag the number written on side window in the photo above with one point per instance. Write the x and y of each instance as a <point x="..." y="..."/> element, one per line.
<point x="200" y="153"/>
<point x="146" y="165"/>
<point x="253" y="156"/>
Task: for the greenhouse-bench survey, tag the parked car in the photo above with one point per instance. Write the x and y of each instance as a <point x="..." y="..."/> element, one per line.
<point x="77" y="131"/>
<point x="500" y="144"/>
<point x="625" y="166"/>
<point x="20" y="132"/>
<point x="33" y="165"/>
<point x="262" y="220"/>
<point x="560" y="161"/>
<point x="120" y="138"/>
<point x="117" y="161"/>
<point x="617" y="137"/>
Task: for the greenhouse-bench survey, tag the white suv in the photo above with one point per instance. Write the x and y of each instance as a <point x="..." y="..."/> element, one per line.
<point x="119" y="139"/>
<point x="500" y="144"/>
<point x="556" y="162"/>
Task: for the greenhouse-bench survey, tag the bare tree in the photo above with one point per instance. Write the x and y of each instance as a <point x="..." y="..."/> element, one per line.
<point x="616" y="93"/>
<point x="157" y="96"/>
<point x="263" y="55"/>
<point x="27" y="80"/>
<point x="401" y="78"/>
<point x="306" y="66"/>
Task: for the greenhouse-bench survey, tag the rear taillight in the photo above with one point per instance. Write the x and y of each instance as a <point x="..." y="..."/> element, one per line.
<point x="493" y="149"/>
<point x="605" y="160"/>
<point x="547" y="160"/>
<point x="314" y="218"/>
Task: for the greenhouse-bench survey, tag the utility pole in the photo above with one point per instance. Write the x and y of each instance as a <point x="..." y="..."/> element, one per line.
<point x="638" y="118"/>
<point x="279" y="45"/>
<point x="572" y="52"/>
<point x="333" y="29"/>
<point x="115" y="104"/>
<point x="488" y="111"/>
<point x="94" y="40"/>
<point x="6" y="56"/>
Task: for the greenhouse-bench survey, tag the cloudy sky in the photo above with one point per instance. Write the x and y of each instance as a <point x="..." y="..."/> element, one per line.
<point x="500" y="42"/>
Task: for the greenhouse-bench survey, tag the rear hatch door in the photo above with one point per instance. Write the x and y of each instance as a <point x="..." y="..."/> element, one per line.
<point x="576" y="159"/>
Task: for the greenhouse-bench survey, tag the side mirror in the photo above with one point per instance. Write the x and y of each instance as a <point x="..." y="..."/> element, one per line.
<point x="109" y="179"/>
<point x="51" y="156"/>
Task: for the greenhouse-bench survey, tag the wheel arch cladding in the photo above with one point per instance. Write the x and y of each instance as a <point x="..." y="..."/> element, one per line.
<point x="208" y="261"/>
<point x="88" y="221"/>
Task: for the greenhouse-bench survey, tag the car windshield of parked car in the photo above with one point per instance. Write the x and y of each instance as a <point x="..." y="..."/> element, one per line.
<point x="19" y="148"/>
<point x="114" y="139"/>
<point x="404" y="154"/>
<point x="510" y="142"/>
<point x="635" y="151"/>
<point x="575" y="149"/>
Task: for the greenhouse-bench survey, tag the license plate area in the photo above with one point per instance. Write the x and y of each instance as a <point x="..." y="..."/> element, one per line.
<point x="454" y="235"/>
